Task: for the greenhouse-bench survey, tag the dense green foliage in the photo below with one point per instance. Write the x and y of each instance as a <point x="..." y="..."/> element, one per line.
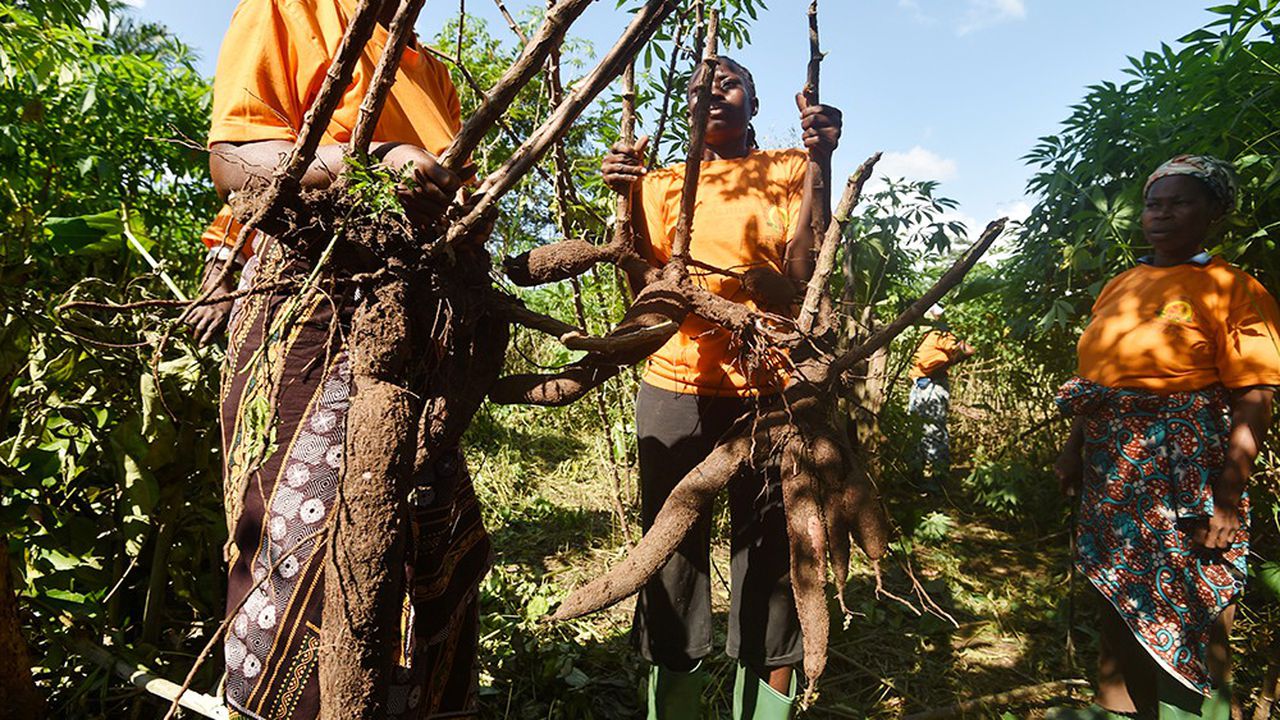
<point x="98" y="475"/>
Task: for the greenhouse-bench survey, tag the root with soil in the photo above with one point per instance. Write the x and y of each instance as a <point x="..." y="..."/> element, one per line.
<point x="430" y="332"/>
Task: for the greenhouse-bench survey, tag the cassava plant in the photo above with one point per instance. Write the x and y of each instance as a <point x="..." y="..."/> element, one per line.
<point x="433" y="289"/>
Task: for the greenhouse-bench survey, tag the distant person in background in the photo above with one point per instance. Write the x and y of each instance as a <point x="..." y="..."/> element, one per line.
<point x="930" y="398"/>
<point x="1170" y="406"/>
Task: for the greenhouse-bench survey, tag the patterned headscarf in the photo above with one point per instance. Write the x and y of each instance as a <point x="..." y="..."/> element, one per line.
<point x="1217" y="174"/>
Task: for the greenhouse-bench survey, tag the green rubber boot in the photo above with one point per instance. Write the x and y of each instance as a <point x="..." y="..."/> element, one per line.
<point x="1215" y="707"/>
<point x="753" y="699"/>
<point x="676" y="695"/>
<point x="1178" y="702"/>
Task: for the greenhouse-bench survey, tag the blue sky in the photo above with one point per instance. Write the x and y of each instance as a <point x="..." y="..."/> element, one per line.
<point x="951" y="90"/>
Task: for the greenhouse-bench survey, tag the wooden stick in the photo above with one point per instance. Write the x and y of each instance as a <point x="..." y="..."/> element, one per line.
<point x="462" y="28"/>
<point x="511" y="22"/>
<point x="1002" y="700"/>
<point x="204" y="705"/>
<point x="912" y="314"/>
<point x="384" y="76"/>
<point x="697" y="141"/>
<point x="336" y="82"/>
<point x="820" y="167"/>
<point x="483" y="93"/>
<point x="642" y="27"/>
<point x="831" y="243"/>
<point x="622" y="230"/>
<point x="549" y="36"/>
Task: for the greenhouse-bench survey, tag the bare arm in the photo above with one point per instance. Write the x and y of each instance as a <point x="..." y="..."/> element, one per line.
<point x="426" y="195"/>
<point x="235" y="166"/>
<point x="1069" y="466"/>
<point x="1250" y="419"/>
<point x="622" y="169"/>
<point x="821" y="126"/>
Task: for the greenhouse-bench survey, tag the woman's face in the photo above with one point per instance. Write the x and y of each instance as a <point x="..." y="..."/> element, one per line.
<point x="1178" y="214"/>
<point x="731" y="107"/>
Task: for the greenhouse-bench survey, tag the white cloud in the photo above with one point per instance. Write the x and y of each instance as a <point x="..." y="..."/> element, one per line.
<point x="917" y="13"/>
<point x="982" y="14"/>
<point x="1017" y="211"/>
<point x="917" y="163"/>
<point x="135" y="3"/>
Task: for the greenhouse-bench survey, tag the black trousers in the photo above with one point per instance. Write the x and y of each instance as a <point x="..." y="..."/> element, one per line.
<point x="673" y="620"/>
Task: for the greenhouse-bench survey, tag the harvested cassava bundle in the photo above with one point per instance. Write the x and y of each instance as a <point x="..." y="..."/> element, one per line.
<point x="829" y="500"/>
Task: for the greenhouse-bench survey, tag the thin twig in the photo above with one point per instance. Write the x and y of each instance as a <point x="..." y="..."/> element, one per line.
<point x="198" y="302"/>
<point x="697" y="142"/>
<point x="642" y="27"/>
<point x="504" y="92"/>
<point x="399" y="34"/>
<point x="831" y="243"/>
<point x="511" y="22"/>
<point x="669" y="92"/>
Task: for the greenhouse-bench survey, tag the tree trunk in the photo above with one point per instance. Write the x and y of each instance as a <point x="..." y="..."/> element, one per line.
<point x="21" y="699"/>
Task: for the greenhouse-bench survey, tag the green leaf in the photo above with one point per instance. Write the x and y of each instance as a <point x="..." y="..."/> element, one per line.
<point x="84" y="235"/>
<point x="1269" y="578"/>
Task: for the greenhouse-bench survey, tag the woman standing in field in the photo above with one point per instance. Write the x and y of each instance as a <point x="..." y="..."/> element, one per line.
<point x="287" y="380"/>
<point x="1173" y="397"/>
<point x="753" y="213"/>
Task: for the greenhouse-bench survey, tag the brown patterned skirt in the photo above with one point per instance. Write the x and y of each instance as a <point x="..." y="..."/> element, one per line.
<point x="285" y="395"/>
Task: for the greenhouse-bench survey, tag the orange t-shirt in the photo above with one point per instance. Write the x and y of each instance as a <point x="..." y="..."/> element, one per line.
<point x="225" y="230"/>
<point x="937" y="348"/>
<point x="747" y="210"/>
<point x="1181" y="328"/>
<point x="274" y="59"/>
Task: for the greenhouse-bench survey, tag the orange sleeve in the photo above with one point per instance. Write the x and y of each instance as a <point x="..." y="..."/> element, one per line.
<point x="270" y="58"/>
<point x="948" y="344"/>
<point x="1249" y="345"/>
<point x="224" y="230"/>
<point x="653" y="203"/>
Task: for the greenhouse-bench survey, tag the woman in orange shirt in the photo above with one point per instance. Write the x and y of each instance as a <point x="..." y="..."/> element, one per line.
<point x="753" y="212"/>
<point x="1172" y="400"/>
<point x="287" y="379"/>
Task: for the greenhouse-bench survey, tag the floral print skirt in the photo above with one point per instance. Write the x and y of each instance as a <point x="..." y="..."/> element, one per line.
<point x="1151" y="461"/>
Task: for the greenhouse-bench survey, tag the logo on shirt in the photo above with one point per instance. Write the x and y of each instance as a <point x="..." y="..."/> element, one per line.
<point x="1177" y="312"/>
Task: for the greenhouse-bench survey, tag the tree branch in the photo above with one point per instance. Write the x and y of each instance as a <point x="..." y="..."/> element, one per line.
<point x="820" y="168"/>
<point x="511" y="22"/>
<point x="646" y="23"/>
<point x="831" y="243"/>
<point x="384" y="76"/>
<point x="697" y="143"/>
<point x="549" y="36"/>
<point x="912" y="314"/>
